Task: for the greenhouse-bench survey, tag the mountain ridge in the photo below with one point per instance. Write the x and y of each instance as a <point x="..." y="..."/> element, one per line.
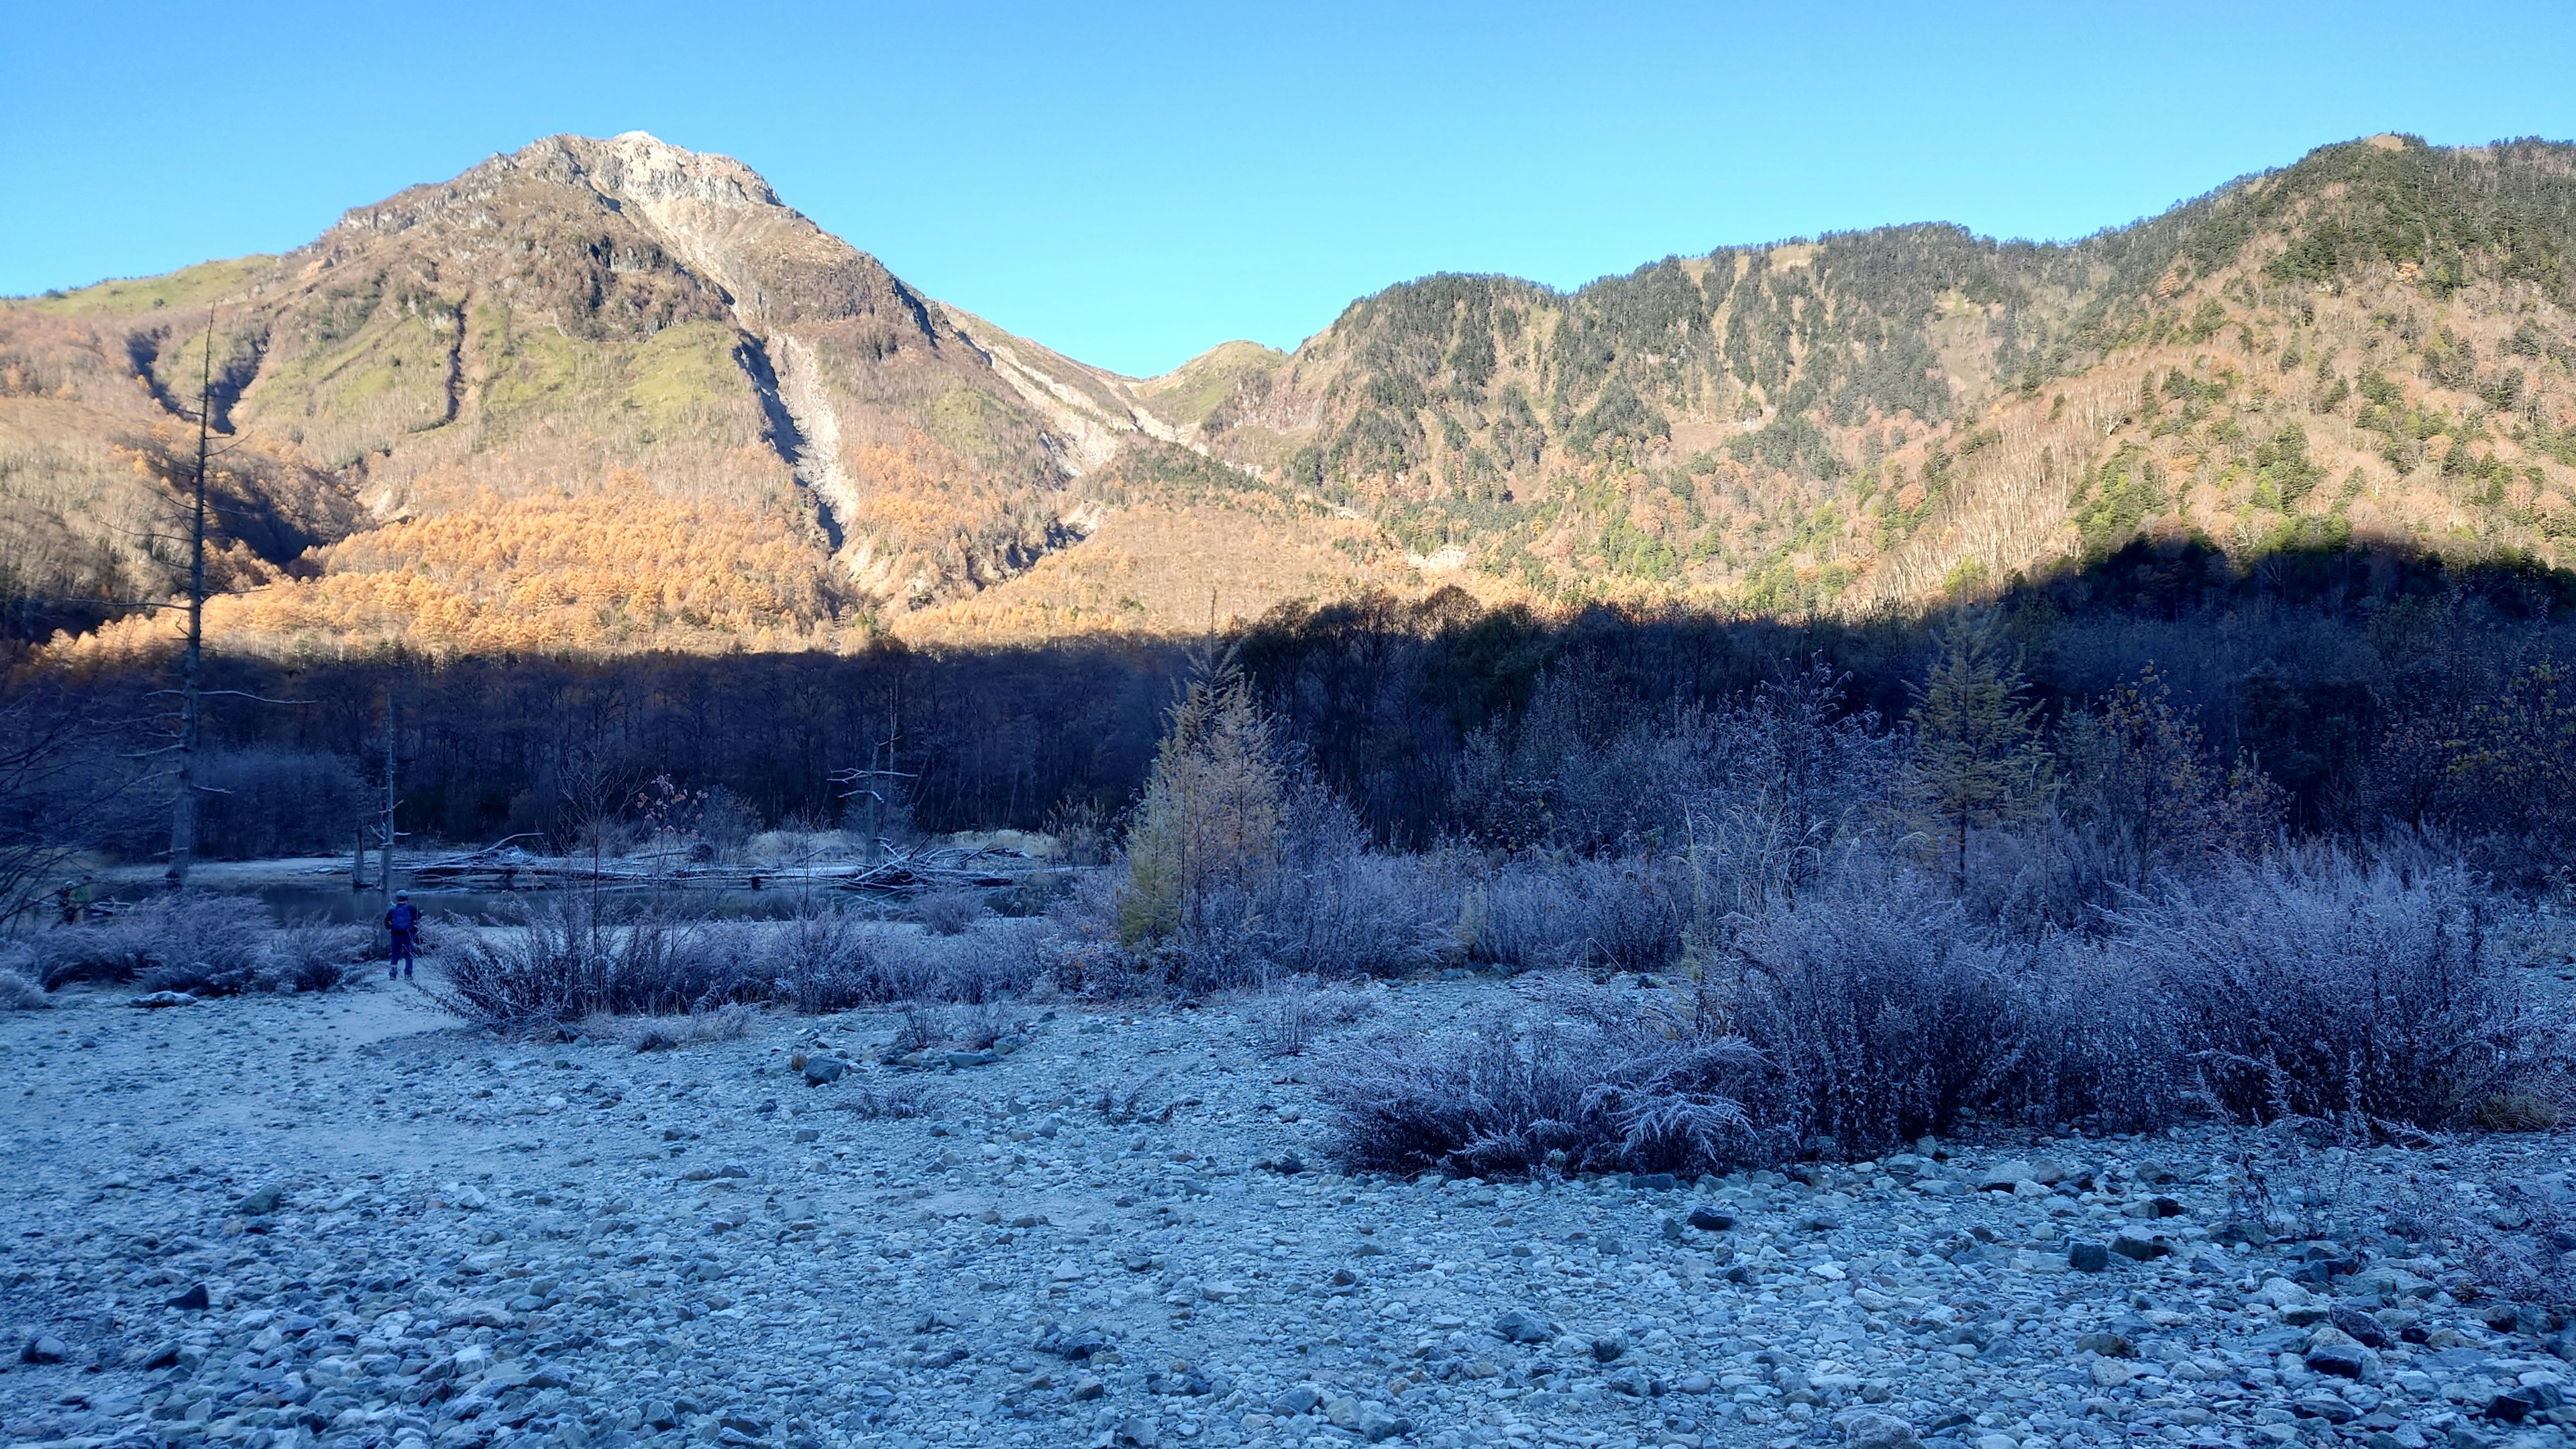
<point x="1854" y="421"/>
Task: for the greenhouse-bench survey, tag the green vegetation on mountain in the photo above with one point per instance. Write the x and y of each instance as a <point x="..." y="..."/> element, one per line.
<point x="2371" y="346"/>
<point x="1872" y="417"/>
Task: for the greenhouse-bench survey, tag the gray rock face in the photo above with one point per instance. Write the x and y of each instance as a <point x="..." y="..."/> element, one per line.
<point x="469" y="1244"/>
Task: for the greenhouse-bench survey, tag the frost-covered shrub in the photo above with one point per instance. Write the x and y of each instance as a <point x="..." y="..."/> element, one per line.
<point x="1288" y="1016"/>
<point x="19" y="992"/>
<point x="832" y="961"/>
<point x="313" y="955"/>
<point x="1574" y="1081"/>
<point x="1335" y="907"/>
<point x="1539" y="911"/>
<point x="185" y="941"/>
<point x="960" y="1028"/>
<point x="1883" y="1014"/>
<point x="2318" y="987"/>
<point x="575" y="954"/>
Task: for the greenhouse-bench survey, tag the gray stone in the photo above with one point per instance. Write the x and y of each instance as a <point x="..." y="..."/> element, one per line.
<point x="1376" y="1424"/>
<point x="2004" y="1176"/>
<point x="2334" y="1352"/>
<point x="2087" y="1257"/>
<point x="44" y="1348"/>
<point x="1874" y="1429"/>
<point x="1710" y="1220"/>
<point x="1522" y="1326"/>
<point x="2363" y="1329"/>
<point x="2328" y="1407"/>
<point x="1299" y="1399"/>
<point x="826" y="1069"/>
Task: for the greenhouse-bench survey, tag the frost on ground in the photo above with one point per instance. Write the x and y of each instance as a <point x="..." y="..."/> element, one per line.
<point x="276" y="1221"/>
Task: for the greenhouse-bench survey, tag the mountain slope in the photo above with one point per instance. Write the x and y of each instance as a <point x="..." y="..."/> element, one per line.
<point x="604" y="395"/>
<point x="2373" y="342"/>
<point x="612" y="325"/>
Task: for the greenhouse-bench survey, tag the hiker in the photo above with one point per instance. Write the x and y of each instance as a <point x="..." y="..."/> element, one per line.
<point x="72" y="900"/>
<point x="403" y="922"/>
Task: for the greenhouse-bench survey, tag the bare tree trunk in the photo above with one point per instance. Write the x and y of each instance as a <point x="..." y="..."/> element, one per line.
<point x="183" y="808"/>
<point x="385" y="862"/>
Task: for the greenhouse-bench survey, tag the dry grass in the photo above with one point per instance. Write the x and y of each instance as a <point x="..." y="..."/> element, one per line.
<point x="19" y="992"/>
<point x="2517" y="1111"/>
<point x="1290" y="1016"/>
<point x="948" y="912"/>
<point x="895" y="1101"/>
<point x="698" y="1028"/>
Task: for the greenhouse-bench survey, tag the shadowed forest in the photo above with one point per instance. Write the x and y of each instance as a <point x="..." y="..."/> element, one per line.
<point x="2152" y="842"/>
<point x="2363" y="688"/>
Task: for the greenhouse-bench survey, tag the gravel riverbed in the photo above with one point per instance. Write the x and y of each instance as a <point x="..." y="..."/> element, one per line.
<point x="342" y="1220"/>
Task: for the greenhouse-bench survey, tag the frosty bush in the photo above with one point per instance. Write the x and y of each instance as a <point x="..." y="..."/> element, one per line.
<point x="725" y="1023"/>
<point x="1536" y="912"/>
<point x="1576" y="1081"/>
<point x="314" y="955"/>
<point x="576" y="954"/>
<point x="187" y="941"/>
<point x="1885" y="1018"/>
<point x="2319" y="987"/>
<point x="19" y="992"/>
<point x="1288" y="1016"/>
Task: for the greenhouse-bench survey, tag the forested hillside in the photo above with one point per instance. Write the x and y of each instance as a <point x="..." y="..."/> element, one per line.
<point x="2372" y="344"/>
<point x="601" y="396"/>
<point x="488" y="375"/>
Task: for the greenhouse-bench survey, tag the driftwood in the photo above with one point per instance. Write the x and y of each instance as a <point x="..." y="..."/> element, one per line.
<point x="951" y="867"/>
<point x="507" y="867"/>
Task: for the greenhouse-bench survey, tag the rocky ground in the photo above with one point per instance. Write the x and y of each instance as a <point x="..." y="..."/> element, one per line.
<point x="269" y="1223"/>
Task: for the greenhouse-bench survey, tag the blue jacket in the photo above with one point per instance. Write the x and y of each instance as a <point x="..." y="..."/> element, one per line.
<point x="403" y="917"/>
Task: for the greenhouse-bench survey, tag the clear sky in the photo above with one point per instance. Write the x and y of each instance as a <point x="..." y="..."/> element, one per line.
<point x="1133" y="183"/>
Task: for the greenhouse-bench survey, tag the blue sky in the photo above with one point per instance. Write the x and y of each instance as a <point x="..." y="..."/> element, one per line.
<point x="1132" y="184"/>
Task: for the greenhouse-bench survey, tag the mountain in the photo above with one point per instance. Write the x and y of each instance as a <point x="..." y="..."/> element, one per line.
<point x="611" y="394"/>
<point x="595" y="392"/>
<point x="2372" y="343"/>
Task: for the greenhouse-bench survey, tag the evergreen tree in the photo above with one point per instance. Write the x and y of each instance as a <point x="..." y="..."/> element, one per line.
<point x="1976" y="758"/>
<point x="1207" y="831"/>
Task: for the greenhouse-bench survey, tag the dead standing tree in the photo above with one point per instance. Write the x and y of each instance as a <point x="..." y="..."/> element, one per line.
<point x="192" y="692"/>
<point x="877" y="790"/>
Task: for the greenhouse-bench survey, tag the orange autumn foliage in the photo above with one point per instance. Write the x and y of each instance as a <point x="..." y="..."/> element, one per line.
<point x="615" y="567"/>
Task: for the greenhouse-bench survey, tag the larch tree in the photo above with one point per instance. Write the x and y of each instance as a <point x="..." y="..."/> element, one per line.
<point x="1977" y="761"/>
<point x="1207" y="832"/>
